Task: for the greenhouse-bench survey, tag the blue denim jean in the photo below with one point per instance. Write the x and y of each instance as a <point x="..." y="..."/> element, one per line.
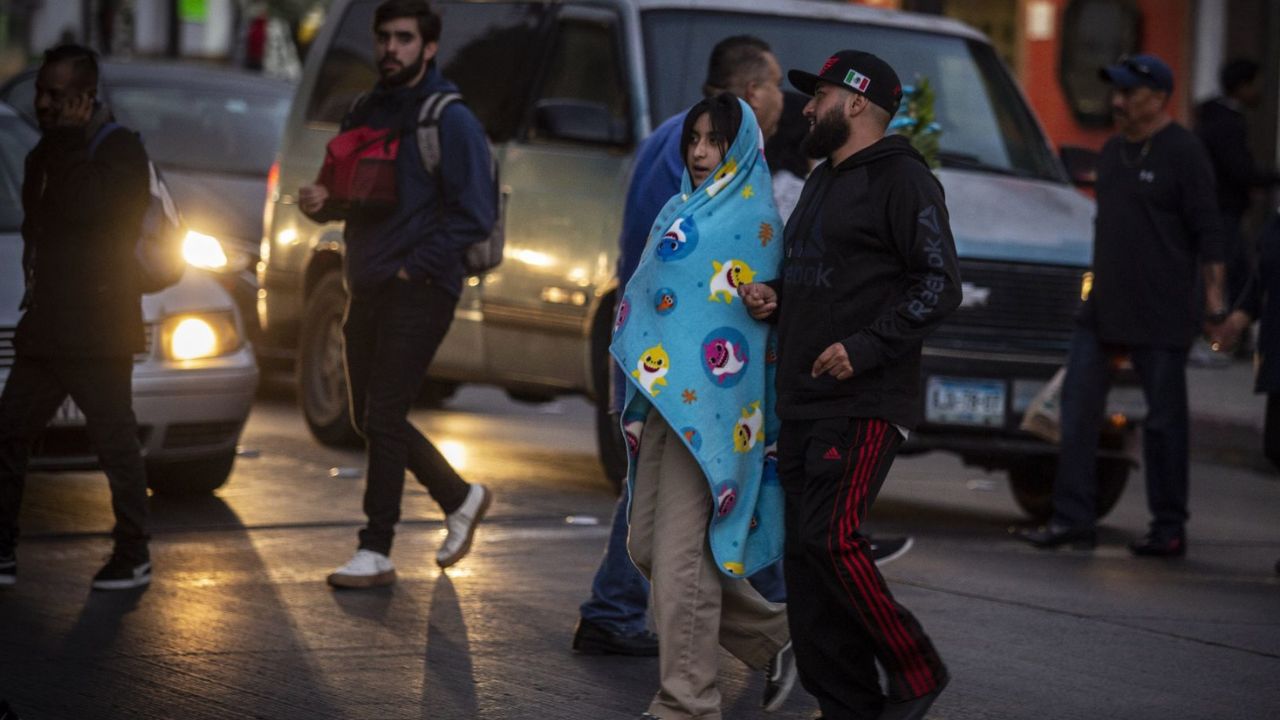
<point x="620" y="594"/>
<point x="1165" y="442"/>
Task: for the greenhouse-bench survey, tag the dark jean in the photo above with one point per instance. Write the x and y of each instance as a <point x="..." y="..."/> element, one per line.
<point x="620" y="594"/>
<point x="103" y="390"/>
<point x="390" y="336"/>
<point x="1163" y="372"/>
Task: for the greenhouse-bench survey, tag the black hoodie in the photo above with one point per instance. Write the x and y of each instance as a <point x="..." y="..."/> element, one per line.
<point x="870" y="263"/>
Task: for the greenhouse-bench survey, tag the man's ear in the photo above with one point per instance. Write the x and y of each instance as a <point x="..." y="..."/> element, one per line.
<point x="856" y="105"/>
<point x="429" y="51"/>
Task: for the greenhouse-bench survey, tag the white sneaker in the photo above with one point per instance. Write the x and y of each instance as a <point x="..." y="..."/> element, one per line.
<point x="462" y="525"/>
<point x="367" y="569"/>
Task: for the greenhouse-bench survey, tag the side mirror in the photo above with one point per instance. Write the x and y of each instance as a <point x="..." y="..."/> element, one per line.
<point x="577" y="121"/>
<point x="1081" y="165"/>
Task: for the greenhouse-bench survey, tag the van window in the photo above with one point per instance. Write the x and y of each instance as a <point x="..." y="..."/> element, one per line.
<point x="985" y="123"/>
<point x="586" y="65"/>
<point x="488" y="49"/>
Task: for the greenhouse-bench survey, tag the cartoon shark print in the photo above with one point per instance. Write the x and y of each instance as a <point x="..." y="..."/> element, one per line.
<point x="678" y="241"/>
<point x="724" y="359"/>
<point x="631" y="430"/>
<point x="727" y="278"/>
<point x="664" y="301"/>
<point x="651" y="369"/>
<point x="624" y="311"/>
<point x="746" y="429"/>
<point x="725" y="175"/>
<point x="726" y="499"/>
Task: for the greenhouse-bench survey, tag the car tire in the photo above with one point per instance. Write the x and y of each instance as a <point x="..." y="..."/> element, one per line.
<point x="1032" y="484"/>
<point x="610" y="445"/>
<point x="322" y="379"/>
<point x="186" y="478"/>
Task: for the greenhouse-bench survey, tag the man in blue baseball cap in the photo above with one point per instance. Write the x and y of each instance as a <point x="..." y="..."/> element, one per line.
<point x="1157" y="226"/>
<point x="1138" y="71"/>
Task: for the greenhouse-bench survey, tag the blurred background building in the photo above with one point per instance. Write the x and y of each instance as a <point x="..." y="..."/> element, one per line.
<point x="1052" y="47"/>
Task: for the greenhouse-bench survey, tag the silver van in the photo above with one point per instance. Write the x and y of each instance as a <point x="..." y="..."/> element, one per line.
<point x="566" y="90"/>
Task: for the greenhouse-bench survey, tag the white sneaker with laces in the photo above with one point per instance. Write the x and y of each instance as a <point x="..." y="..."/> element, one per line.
<point x="462" y="523"/>
<point x="365" y="570"/>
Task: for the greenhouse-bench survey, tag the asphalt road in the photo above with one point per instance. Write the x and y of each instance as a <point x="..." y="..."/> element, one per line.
<point x="239" y="623"/>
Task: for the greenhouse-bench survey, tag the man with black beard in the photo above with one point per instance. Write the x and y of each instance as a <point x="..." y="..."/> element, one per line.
<point x="404" y="271"/>
<point x="869" y="270"/>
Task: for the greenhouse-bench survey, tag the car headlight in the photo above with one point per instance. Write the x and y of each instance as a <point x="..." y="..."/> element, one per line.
<point x="198" y="336"/>
<point x="210" y="253"/>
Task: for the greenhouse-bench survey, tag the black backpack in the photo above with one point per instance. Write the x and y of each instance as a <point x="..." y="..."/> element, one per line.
<point x="159" y="247"/>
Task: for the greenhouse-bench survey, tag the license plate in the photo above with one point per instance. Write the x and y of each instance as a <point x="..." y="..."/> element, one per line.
<point x="68" y="414"/>
<point x="965" y="401"/>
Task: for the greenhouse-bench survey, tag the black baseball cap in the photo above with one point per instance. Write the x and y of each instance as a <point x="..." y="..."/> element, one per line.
<point x="1139" y="71"/>
<point x="861" y="72"/>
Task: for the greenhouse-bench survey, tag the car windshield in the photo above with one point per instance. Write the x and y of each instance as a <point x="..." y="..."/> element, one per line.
<point x="16" y="140"/>
<point x="984" y="123"/>
<point x="204" y="129"/>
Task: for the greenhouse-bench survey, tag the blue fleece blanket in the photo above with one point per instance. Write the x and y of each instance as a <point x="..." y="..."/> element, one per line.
<point x="691" y="350"/>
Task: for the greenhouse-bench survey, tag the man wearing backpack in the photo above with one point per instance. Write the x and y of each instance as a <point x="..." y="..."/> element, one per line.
<point x="82" y="323"/>
<point x="406" y="241"/>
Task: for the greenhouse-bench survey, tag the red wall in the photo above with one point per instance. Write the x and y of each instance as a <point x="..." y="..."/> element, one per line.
<point x="1165" y="32"/>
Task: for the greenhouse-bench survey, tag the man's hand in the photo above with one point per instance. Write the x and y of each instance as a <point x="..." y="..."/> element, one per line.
<point x="760" y="299"/>
<point x="403" y="274"/>
<point x="1225" y="336"/>
<point x="76" y="111"/>
<point x="311" y="198"/>
<point x="834" y="361"/>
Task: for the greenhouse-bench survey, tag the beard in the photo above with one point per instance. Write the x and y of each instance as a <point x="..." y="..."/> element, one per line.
<point x="827" y="135"/>
<point x="401" y="77"/>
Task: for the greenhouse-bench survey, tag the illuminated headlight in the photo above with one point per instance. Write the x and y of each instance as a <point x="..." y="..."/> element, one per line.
<point x="1086" y="286"/>
<point x="195" y="337"/>
<point x="210" y="253"/>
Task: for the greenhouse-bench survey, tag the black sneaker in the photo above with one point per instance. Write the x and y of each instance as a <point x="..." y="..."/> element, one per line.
<point x="779" y="678"/>
<point x="121" y="574"/>
<point x="1153" y="545"/>
<point x="8" y="571"/>
<point x="886" y="550"/>
<point x="592" y="639"/>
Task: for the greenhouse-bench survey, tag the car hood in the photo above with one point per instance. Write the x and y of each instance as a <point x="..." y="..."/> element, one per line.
<point x="228" y="207"/>
<point x="994" y="217"/>
<point x="196" y="292"/>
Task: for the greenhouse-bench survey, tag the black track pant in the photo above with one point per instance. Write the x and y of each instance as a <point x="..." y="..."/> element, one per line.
<point x="843" y="617"/>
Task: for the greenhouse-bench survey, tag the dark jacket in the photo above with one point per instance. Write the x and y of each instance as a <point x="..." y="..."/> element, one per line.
<point x="437" y="217"/>
<point x="869" y="262"/>
<point x="82" y="220"/>
<point x="1222" y="127"/>
<point x="1261" y="300"/>
<point x="1157" y="225"/>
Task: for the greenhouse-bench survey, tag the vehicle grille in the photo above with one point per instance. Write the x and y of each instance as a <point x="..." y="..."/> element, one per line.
<point x="1028" y="308"/>
<point x="190" y="435"/>
<point x="7" y="352"/>
<point x="72" y="441"/>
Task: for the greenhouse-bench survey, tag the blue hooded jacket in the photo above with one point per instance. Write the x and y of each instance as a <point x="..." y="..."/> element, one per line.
<point x="437" y="217"/>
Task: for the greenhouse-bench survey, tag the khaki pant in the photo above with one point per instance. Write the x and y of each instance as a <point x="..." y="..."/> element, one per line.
<point x="695" y="606"/>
